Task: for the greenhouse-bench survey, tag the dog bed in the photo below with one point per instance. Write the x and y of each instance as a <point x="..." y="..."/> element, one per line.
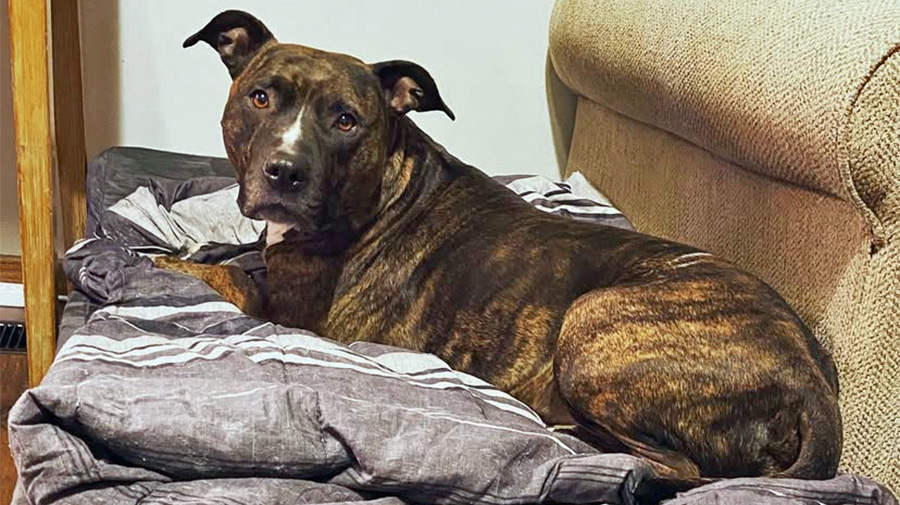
<point x="163" y="392"/>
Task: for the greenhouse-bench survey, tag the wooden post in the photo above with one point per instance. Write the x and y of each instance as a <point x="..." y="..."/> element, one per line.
<point x="34" y="158"/>
<point x="68" y="113"/>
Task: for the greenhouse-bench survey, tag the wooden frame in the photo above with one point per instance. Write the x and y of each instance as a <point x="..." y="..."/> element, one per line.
<point x="45" y="58"/>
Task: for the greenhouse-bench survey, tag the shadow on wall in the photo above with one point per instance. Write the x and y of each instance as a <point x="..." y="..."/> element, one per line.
<point x="9" y="205"/>
<point x="561" y="104"/>
<point x="100" y="64"/>
<point x="100" y="75"/>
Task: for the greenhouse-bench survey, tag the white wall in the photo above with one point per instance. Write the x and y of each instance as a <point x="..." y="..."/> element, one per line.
<point x="488" y="58"/>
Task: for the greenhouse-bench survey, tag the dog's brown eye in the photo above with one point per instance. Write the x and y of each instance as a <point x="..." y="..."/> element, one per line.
<point x="345" y="122"/>
<point x="260" y="99"/>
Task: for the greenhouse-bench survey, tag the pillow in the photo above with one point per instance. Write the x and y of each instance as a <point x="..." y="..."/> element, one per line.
<point x="198" y="218"/>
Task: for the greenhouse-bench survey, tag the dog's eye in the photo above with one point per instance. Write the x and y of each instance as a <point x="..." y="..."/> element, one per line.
<point x="259" y="98"/>
<point x="345" y="122"/>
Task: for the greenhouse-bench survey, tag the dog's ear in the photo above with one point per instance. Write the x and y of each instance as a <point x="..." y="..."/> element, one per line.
<point x="408" y="86"/>
<point x="236" y="35"/>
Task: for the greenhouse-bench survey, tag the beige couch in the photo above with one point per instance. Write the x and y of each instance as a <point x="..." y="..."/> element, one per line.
<point x="767" y="132"/>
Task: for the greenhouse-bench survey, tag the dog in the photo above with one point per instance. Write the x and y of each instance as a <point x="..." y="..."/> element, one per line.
<point x="377" y="233"/>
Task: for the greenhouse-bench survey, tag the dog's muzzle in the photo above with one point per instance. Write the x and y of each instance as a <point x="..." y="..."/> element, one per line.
<point x="285" y="176"/>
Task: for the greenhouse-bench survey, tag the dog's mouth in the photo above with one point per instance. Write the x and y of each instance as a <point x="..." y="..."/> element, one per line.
<point x="278" y="222"/>
<point x="308" y="229"/>
<point x="269" y="212"/>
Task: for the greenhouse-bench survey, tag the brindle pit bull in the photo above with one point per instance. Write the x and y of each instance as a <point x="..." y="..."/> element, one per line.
<point x="377" y="233"/>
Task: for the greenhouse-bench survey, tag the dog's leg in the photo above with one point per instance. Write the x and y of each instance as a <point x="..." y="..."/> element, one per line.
<point x="659" y="370"/>
<point x="228" y="280"/>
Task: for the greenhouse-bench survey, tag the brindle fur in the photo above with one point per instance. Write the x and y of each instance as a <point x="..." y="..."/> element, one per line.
<point x="229" y="281"/>
<point x="651" y="347"/>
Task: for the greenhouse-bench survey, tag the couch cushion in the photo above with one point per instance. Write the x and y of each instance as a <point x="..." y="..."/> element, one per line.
<point x="771" y="86"/>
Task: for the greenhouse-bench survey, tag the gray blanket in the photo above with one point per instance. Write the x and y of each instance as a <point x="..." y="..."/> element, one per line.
<point x="165" y="393"/>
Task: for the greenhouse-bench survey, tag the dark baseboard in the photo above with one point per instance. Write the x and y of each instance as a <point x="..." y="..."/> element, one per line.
<point x="10" y="269"/>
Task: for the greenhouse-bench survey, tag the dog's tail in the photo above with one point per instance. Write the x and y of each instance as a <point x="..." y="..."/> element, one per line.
<point x="821" y="439"/>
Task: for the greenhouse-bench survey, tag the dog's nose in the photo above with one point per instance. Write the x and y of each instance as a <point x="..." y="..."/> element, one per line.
<point x="284" y="175"/>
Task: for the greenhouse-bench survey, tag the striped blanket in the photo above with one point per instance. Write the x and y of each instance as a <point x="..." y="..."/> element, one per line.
<point x="162" y="392"/>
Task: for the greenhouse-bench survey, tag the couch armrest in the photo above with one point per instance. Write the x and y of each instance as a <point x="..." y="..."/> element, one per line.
<point x="805" y="92"/>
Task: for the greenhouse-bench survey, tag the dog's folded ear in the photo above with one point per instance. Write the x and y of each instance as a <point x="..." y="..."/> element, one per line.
<point x="408" y="86"/>
<point x="236" y="35"/>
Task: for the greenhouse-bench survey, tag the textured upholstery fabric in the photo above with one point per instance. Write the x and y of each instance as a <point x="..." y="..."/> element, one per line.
<point x="767" y="132"/>
<point x="768" y="84"/>
<point x="798" y="240"/>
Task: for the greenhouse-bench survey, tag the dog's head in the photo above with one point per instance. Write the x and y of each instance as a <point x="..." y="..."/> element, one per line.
<point x="309" y="131"/>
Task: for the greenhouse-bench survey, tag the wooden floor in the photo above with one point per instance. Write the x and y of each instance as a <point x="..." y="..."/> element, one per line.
<point x="13" y="378"/>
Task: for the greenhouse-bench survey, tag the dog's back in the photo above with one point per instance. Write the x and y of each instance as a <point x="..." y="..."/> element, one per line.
<point x="646" y="343"/>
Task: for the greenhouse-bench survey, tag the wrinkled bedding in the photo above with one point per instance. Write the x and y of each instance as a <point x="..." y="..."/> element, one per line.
<point x="163" y="392"/>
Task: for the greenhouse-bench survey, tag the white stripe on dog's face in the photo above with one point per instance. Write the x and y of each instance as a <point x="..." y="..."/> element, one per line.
<point x="293" y="134"/>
